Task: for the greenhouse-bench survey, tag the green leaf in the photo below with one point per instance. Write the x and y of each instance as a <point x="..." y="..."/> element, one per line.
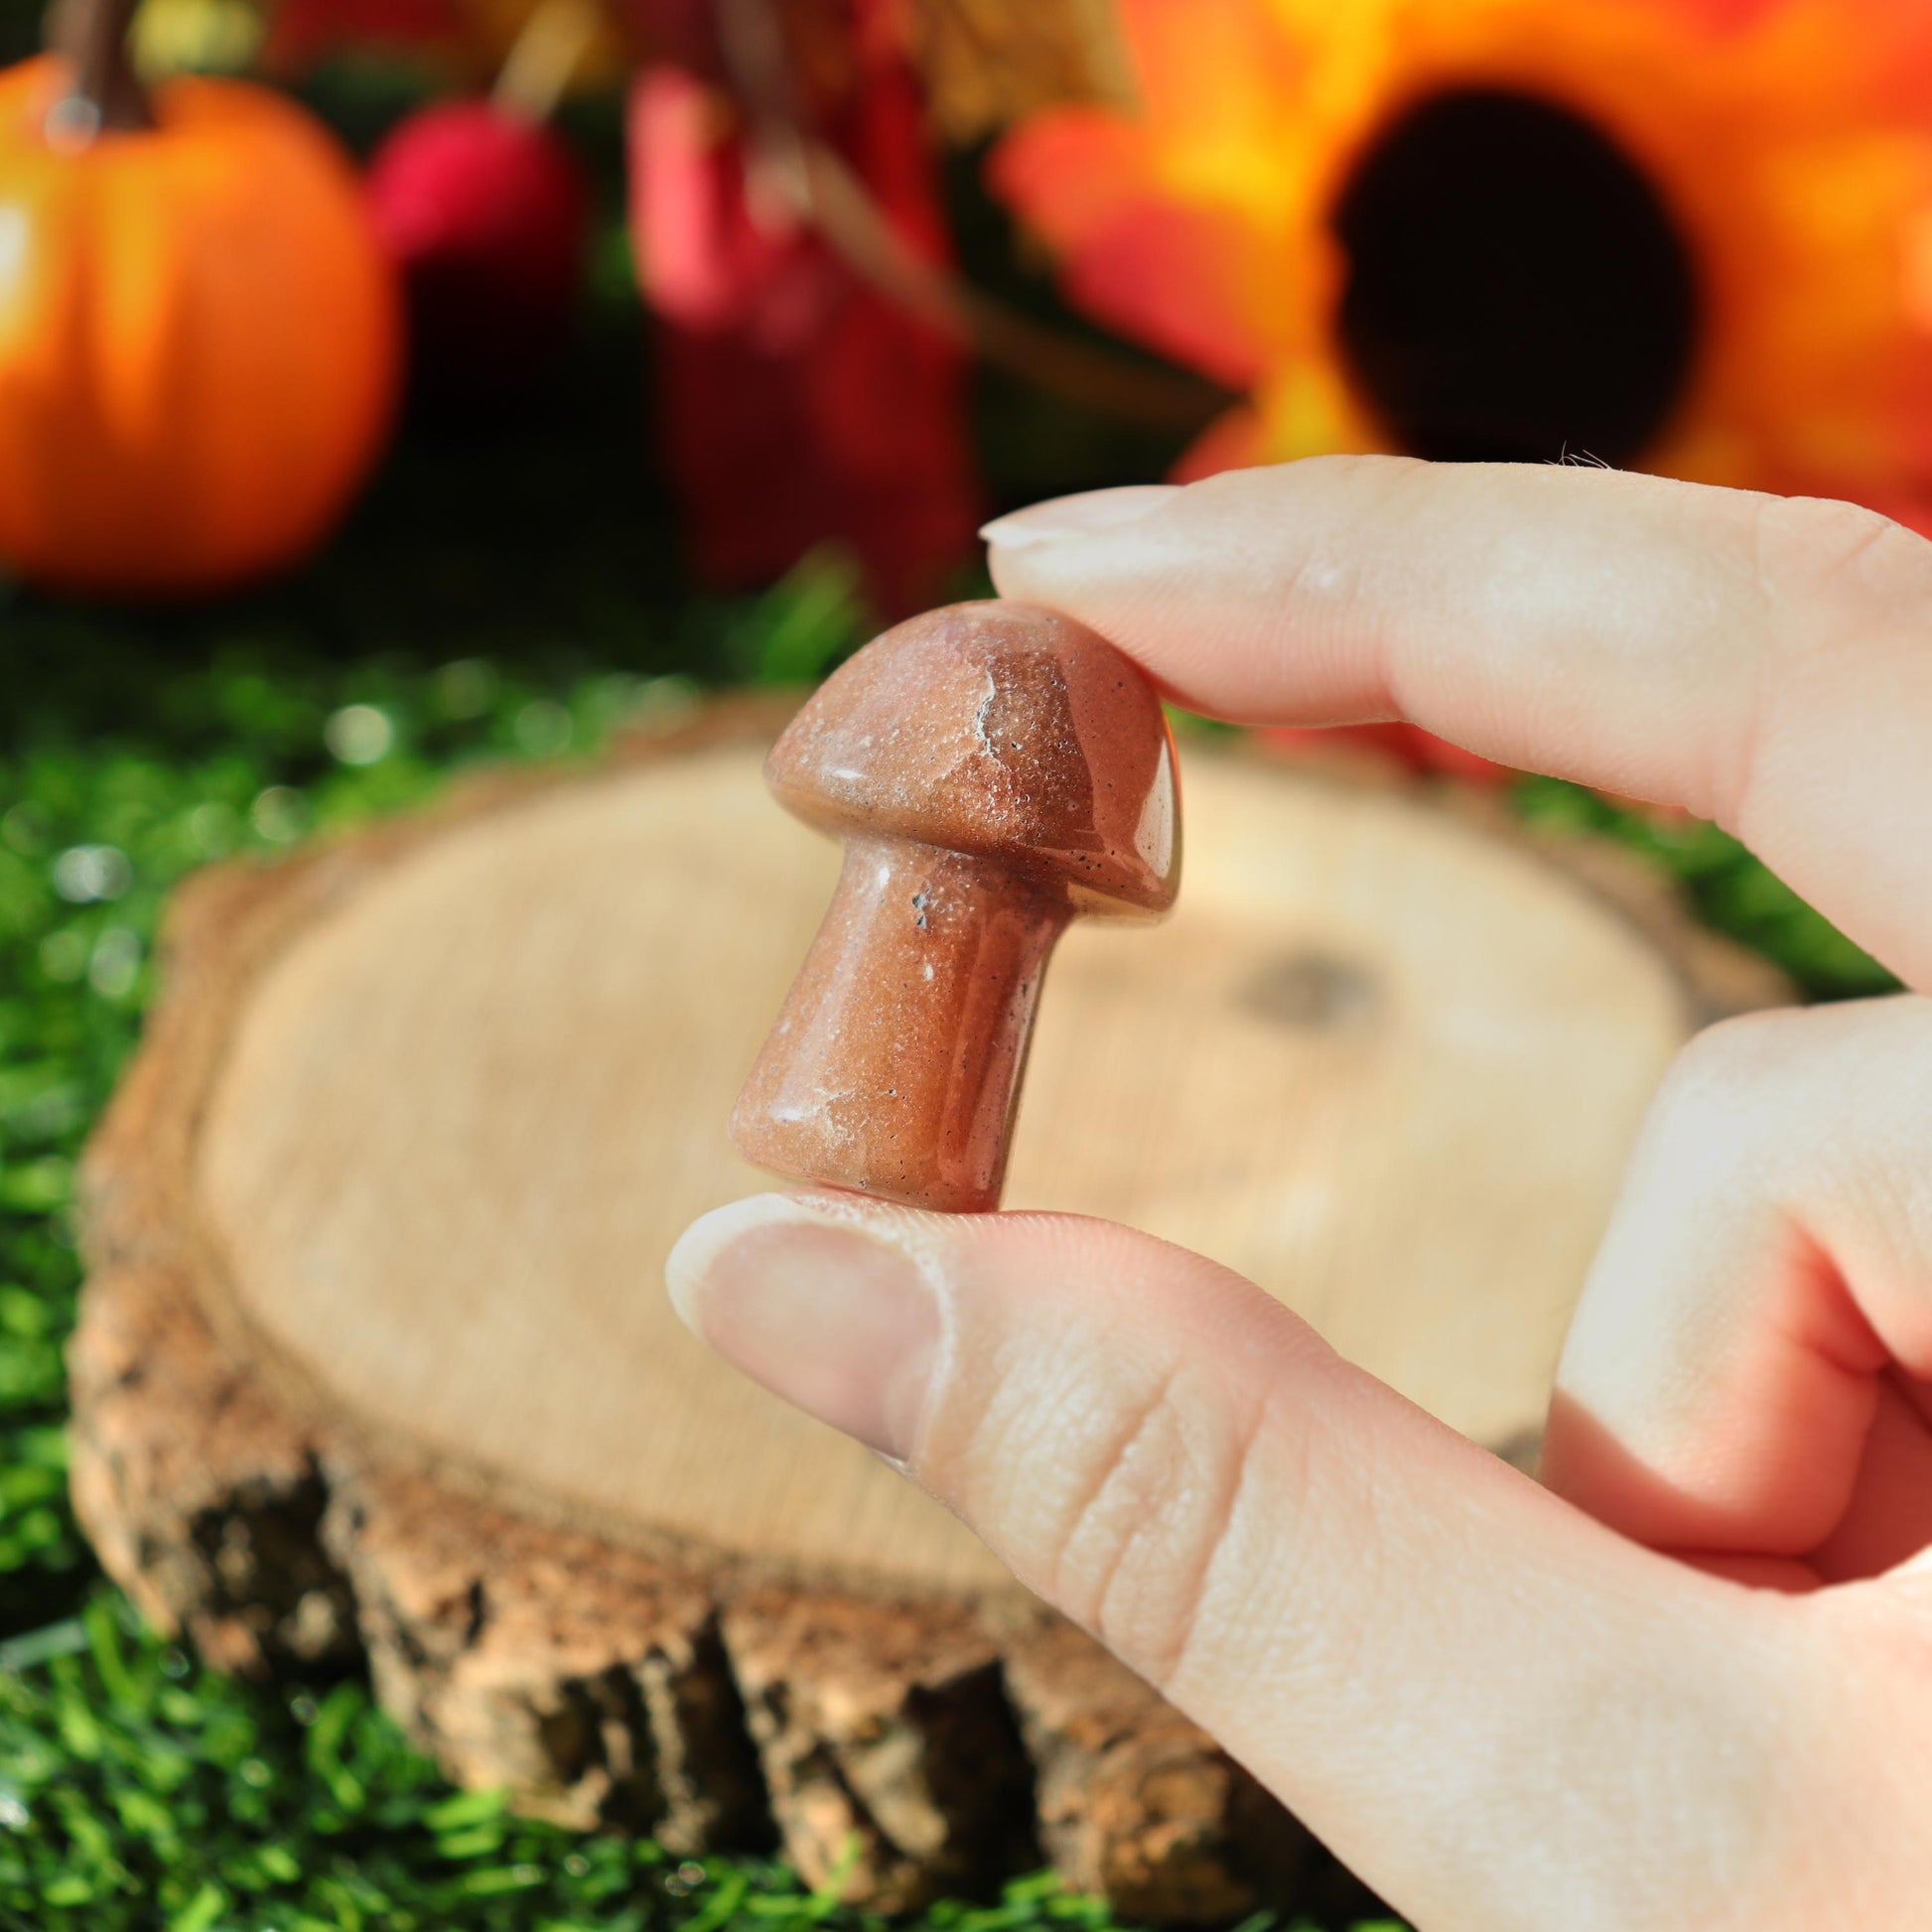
<point x="201" y="1911"/>
<point x="466" y="1808"/>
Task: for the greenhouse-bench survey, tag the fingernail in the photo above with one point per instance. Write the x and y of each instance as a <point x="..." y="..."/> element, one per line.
<point x="839" y="1320"/>
<point x="1078" y="516"/>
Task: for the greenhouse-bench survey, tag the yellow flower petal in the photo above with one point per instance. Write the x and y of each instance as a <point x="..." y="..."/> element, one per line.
<point x="1787" y="144"/>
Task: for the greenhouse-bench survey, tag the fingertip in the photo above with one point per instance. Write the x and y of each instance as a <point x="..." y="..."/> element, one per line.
<point x="1090" y="512"/>
<point x="694" y="1257"/>
<point x="833" y="1308"/>
<point x="695" y="1253"/>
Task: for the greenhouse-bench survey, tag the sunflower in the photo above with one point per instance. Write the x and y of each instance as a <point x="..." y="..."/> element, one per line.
<point x="1692" y="236"/>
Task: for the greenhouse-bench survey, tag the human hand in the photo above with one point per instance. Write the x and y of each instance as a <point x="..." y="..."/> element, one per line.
<point x="1687" y="1683"/>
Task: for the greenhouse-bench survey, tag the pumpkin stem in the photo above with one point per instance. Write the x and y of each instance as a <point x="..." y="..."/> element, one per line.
<point x="104" y="94"/>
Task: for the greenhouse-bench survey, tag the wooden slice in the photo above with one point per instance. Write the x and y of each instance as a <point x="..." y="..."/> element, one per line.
<point x="376" y="1352"/>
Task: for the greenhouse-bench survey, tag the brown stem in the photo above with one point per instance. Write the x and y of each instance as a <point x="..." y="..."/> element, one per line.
<point x="851" y="219"/>
<point x="896" y="1063"/>
<point x="825" y="192"/>
<point x="104" y="94"/>
<point x="544" y="58"/>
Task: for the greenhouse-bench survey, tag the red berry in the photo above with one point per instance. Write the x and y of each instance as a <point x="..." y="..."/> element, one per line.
<point x="485" y="214"/>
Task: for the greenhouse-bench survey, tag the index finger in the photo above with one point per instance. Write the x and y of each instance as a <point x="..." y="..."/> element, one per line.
<point x="1764" y="661"/>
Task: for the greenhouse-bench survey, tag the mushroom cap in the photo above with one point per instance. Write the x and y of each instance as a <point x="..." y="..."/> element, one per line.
<point x="1004" y="730"/>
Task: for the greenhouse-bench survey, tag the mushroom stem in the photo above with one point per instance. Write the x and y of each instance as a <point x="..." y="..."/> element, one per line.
<point x="896" y="1063"/>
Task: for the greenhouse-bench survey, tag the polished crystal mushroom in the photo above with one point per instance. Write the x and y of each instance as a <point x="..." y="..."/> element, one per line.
<point x="995" y="771"/>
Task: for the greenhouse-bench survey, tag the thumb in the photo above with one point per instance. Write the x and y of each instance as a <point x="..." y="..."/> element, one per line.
<point x="1463" y="1685"/>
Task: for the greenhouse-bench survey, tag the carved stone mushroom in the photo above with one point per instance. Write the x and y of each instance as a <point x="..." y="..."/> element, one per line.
<point x="995" y="772"/>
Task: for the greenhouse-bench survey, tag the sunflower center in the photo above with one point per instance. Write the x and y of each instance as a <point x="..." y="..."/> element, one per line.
<point x="1516" y="288"/>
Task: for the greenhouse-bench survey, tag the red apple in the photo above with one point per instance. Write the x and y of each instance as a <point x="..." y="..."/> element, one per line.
<point x="486" y="214"/>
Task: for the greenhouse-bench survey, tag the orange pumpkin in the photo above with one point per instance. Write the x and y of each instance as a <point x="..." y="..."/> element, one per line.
<point x="200" y="339"/>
